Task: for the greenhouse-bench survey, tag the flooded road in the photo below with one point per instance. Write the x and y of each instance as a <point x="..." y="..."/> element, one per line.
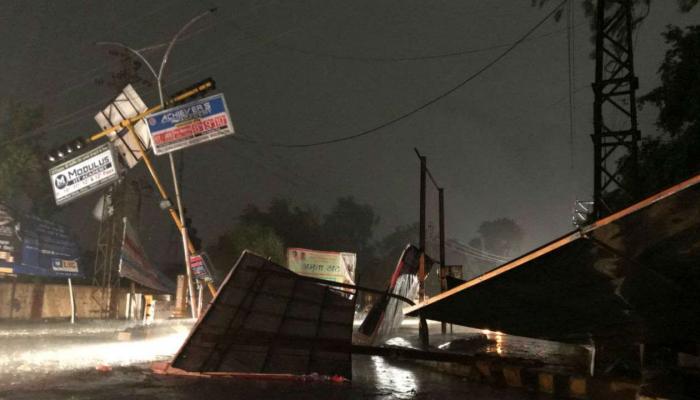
<point x="374" y="378"/>
<point x="60" y="362"/>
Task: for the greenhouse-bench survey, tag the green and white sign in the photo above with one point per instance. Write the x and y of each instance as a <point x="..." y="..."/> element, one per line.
<point x="329" y="265"/>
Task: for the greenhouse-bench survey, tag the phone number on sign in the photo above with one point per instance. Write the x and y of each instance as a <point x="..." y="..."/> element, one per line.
<point x="192" y="129"/>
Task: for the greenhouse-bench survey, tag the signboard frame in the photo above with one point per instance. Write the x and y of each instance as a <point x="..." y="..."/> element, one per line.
<point x="318" y="264"/>
<point x="57" y="174"/>
<point x="199" y="265"/>
<point x="190" y="113"/>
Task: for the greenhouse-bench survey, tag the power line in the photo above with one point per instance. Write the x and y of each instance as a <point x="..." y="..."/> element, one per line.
<point x="429" y="102"/>
<point x="345" y="57"/>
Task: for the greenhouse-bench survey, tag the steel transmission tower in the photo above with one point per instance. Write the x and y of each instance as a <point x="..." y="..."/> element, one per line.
<point x="109" y="238"/>
<point x="122" y="199"/>
<point x="615" y="108"/>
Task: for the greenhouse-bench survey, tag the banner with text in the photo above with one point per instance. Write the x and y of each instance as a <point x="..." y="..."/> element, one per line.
<point x="189" y="124"/>
<point x="83" y="174"/>
<point x="199" y="264"/>
<point x="328" y="265"/>
<point x="34" y="246"/>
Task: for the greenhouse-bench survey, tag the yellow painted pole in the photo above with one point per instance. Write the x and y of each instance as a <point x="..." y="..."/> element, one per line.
<point x="164" y="196"/>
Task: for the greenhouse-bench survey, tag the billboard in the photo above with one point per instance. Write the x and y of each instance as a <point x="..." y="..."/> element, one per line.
<point x="189" y="124"/>
<point x="134" y="264"/>
<point x="328" y="265"/>
<point x="199" y="264"/>
<point x="83" y="174"/>
<point x="127" y="105"/>
<point x="34" y="246"/>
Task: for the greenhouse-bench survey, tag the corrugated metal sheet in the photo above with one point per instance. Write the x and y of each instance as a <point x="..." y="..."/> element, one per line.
<point x="267" y="319"/>
<point x="634" y="274"/>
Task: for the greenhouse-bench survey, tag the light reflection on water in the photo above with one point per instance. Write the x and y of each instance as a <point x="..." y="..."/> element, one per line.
<point x="29" y="360"/>
<point x="401" y="383"/>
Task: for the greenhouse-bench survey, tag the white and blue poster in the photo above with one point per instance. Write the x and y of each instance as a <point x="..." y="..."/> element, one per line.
<point x="189" y="124"/>
<point x="35" y="246"/>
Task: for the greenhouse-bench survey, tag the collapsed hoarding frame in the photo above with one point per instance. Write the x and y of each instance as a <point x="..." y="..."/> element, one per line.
<point x="266" y="312"/>
<point x="650" y="218"/>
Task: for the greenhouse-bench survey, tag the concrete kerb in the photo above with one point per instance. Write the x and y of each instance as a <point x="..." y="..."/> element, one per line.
<point x="537" y="379"/>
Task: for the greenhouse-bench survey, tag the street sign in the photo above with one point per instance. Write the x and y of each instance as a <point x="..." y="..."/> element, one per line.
<point x="127" y="105"/>
<point x="328" y="265"/>
<point x="84" y="174"/>
<point x="199" y="263"/>
<point x="189" y="124"/>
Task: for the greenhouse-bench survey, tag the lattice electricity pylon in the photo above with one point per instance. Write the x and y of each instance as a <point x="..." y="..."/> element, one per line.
<point x="109" y="238"/>
<point x="615" y="103"/>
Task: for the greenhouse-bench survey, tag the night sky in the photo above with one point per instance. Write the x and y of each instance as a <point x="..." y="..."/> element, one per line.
<point x="304" y="71"/>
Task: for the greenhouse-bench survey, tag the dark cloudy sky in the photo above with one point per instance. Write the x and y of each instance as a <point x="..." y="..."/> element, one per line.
<point x="500" y="146"/>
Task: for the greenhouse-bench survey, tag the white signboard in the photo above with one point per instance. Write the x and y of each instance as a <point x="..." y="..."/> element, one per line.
<point x="127" y="105"/>
<point x="83" y="174"/>
<point x="329" y="265"/>
<point x="189" y="124"/>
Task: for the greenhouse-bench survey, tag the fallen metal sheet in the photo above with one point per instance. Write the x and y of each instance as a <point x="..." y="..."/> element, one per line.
<point x="267" y="319"/>
<point x="634" y="275"/>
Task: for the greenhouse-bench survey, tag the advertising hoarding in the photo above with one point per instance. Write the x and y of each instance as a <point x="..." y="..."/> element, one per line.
<point x="83" y="174"/>
<point x="199" y="264"/>
<point x="135" y="265"/>
<point x="34" y="246"/>
<point x="328" y="265"/>
<point x="189" y="124"/>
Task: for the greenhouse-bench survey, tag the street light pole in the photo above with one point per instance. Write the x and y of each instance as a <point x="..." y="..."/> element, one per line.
<point x="178" y="198"/>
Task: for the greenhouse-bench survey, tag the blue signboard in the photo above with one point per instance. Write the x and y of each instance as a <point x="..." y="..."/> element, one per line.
<point x="34" y="246"/>
<point x="189" y="124"/>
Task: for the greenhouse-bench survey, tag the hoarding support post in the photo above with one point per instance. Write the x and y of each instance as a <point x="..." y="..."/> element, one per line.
<point x="12" y="297"/>
<point x="190" y="286"/>
<point x="132" y="295"/>
<point x="72" y="301"/>
<point x="200" y="298"/>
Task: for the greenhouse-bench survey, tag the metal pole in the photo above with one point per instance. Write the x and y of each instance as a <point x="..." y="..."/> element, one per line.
<point x="200" y="299"/>
<point x="132" y="301"/>
<point x="186" y="244"/>
<point x="423" y="324"/>
<point x="443" y="285"/>
<point x="598" y="112"/>
<point x="72" y="301"/>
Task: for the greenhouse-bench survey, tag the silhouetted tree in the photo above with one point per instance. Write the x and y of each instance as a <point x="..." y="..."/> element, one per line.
<point x="502" y="237"/>
<point x="24" y="183"/>
<point x="257" y="238"/>
<point x="666" y="160"/>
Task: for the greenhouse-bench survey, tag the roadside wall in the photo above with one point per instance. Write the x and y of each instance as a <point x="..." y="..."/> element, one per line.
<point x="34" y="301"/>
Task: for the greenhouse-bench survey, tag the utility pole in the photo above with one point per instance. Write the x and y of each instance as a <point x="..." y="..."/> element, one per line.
<point x="187" y="247"/>
<point x="443" y="271"/>
<point x="615" y="102"/>
<point x="422" y="324"/>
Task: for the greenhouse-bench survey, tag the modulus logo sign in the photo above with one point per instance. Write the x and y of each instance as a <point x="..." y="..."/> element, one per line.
<point x="60" y="181"/>
<point x="83" y="174"/>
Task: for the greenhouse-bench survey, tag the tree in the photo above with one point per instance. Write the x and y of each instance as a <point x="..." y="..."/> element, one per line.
<point x="666" y="160"/>
<point x="349" y="226"/>
<point x="24" y="183"/>
<point x="296" y="226"/>
<point x="501" y="236"/>
<point x="257" y="238"/>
